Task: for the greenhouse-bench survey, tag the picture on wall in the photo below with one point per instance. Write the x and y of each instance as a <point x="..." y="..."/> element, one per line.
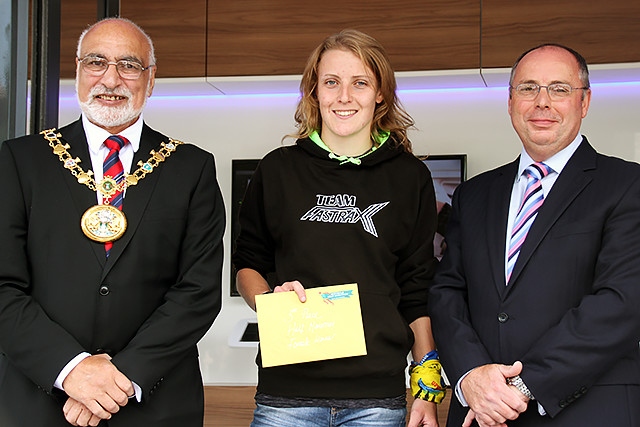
<point x="447" y="171"/>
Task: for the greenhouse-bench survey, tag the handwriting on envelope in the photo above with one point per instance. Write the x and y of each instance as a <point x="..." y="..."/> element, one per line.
<point x="327" y="326"/>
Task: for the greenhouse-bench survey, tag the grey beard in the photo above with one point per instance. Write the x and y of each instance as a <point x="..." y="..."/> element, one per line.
<point x="109" y="117"/>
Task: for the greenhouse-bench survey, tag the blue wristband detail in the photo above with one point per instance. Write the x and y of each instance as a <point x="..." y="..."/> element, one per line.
<point x="432" y="355"/>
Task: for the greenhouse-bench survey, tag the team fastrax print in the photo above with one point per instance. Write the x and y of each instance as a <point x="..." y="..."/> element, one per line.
<point x="342" y="209"/>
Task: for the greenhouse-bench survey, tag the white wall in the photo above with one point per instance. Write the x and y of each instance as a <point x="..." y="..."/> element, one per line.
<point x="472" y="121"/>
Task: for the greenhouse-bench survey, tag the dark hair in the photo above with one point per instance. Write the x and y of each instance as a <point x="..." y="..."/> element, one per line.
<point x="389" y="115"/>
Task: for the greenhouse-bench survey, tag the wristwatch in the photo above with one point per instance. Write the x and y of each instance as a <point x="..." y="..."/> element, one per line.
<point x="521" y="386"/>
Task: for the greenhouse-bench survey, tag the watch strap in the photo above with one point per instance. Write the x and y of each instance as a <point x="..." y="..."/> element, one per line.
<point x="521" y="386"/>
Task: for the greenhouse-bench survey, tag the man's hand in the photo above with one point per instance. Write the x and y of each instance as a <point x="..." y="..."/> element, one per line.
<point x="77" y="414"/>
<point x="423" y="414"/>
<point x="98" y="385"/>
<point x="491" y="399"/>
<point x="468" y="420"/>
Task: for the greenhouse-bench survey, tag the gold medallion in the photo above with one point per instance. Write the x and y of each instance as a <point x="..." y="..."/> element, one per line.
<point x="103" y="223"/>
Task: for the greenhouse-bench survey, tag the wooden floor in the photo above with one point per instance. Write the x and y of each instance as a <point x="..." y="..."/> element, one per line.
<point x="233" y="406"/>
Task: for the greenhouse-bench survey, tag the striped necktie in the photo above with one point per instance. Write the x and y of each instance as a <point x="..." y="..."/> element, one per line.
<point x="112" y="167"/>
<point x="531" y="202"/>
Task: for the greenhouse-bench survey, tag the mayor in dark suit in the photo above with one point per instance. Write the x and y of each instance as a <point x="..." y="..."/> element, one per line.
<point x="107" y="279"/>
<point x="535" y="306"/>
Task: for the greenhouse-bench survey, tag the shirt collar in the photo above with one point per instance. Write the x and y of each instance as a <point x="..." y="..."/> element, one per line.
<point x="97" y="135"/>
<point x="557" y="162"/>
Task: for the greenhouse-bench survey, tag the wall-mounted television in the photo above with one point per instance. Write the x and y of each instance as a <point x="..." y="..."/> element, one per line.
<point x="241" y="172"/>
<point x="447" y="170"/>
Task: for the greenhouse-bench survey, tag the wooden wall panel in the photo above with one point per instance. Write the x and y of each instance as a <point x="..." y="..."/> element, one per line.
<point x="197" y="38"/>
<point x="602" y="31"/>
<point x="178" y="30"/>
<point x="75" y="16"/>
<point x="275" y="37"/>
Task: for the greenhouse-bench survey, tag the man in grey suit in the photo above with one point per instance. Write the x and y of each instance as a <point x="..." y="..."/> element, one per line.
<point x="535" y="304"/>
<point x="110" y="256"/>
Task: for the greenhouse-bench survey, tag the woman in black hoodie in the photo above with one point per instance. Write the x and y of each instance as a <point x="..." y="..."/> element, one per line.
<point x="348" y="203"/>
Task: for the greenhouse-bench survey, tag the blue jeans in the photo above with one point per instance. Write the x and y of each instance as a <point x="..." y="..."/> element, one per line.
<point x="268" y="416"/>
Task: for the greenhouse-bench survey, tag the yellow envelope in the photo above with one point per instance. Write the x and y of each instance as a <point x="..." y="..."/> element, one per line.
<point x="327" y="326"/>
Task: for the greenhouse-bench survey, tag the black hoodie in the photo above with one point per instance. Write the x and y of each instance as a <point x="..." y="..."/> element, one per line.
<point x="323" y="221"/>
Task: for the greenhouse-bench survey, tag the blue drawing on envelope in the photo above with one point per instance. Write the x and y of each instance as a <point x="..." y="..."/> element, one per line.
<point x="329" y="297"/>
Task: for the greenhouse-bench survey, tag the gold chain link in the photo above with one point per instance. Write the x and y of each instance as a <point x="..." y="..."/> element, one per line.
<point x="87" y="179"/>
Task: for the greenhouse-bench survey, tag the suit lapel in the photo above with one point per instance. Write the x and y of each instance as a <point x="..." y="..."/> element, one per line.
<point x="499" y="197"/>
<point x="573" y="179"/>
<point x="137" y="197"/>
<point x="82" y="196"/>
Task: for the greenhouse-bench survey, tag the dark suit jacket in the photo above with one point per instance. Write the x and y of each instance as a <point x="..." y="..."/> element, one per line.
<point x="570" y="312"/>
<point x="147" y="305"/>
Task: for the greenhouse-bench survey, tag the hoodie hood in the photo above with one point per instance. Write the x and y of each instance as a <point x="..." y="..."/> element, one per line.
<point x="387" y="149"/>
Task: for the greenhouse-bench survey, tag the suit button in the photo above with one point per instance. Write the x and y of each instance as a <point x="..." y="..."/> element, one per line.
<point x="503" y="317"/>
<point x="104" y="290"/>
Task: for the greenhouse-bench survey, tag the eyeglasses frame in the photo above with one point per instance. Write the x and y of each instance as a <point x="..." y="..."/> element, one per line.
<point x="115" y="64"/>
<point x="514" y="88"/>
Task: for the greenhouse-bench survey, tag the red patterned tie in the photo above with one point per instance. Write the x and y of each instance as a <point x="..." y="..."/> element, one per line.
<point x="112" y="168"/>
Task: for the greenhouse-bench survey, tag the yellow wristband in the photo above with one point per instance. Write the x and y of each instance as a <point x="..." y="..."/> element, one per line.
<point x="426" y="381"/>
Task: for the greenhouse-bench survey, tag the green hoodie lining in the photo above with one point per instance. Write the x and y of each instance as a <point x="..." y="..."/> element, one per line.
<point x="381" y="139"/>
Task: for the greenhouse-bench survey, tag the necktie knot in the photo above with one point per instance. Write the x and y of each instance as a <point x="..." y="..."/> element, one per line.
<point x="537" y="170"/>
<point x="115" y="142"/>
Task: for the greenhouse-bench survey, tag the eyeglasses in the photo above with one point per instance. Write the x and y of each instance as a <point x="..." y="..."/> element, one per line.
<point x="556" y="91"/>
<point x="96" y="66"/>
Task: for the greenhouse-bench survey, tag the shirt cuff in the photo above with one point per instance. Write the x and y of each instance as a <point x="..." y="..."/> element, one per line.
<point x="138" y="392"/>
<point x="458" y="391"/>
<point x="541" y="410"/>
<point x="68" y="368"/>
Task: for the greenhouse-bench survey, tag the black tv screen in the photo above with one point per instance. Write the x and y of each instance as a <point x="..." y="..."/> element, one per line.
<point x="241" y="172"/>
<point x="447" y="171"/>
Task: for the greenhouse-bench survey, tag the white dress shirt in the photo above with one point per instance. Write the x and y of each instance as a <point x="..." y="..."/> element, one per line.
<point x="557" y="162"/>
<point x="98" y="151"/>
